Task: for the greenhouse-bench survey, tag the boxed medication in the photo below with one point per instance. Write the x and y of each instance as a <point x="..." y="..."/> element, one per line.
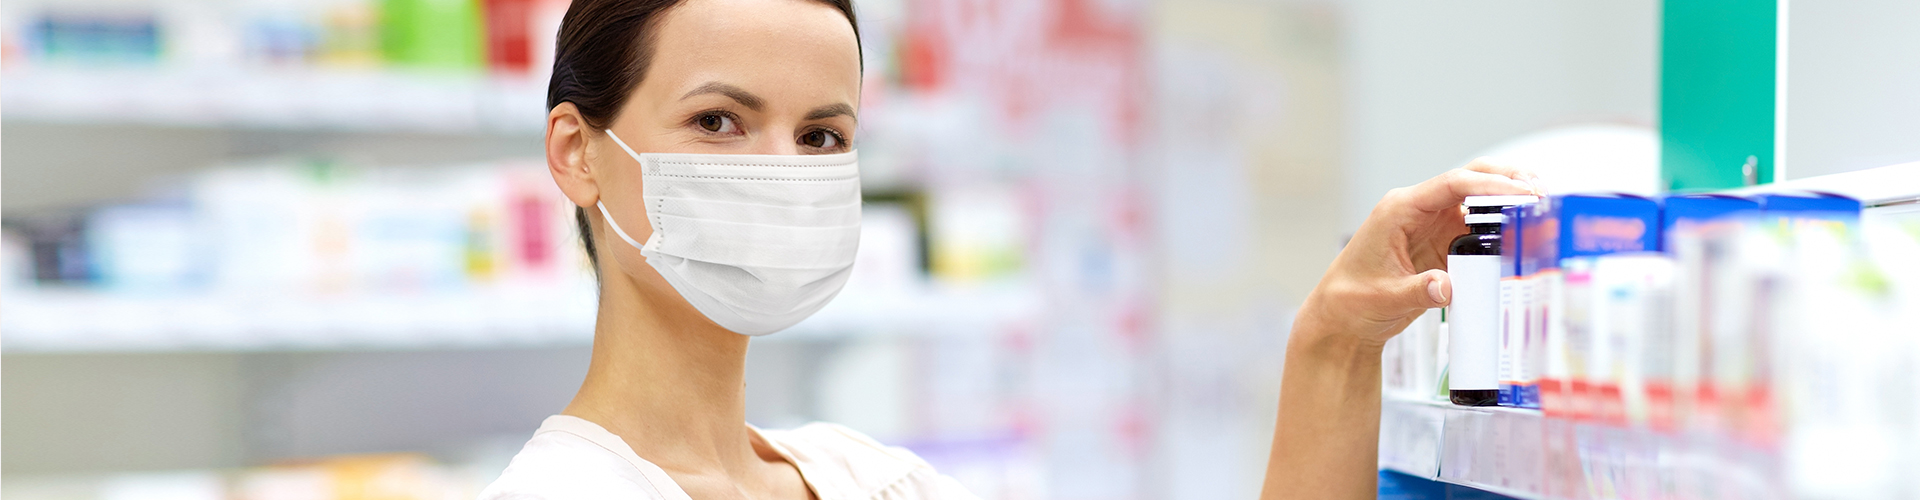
<point x="1561" y="237"/>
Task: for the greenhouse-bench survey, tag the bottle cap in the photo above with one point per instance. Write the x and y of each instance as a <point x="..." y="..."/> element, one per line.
<point x="1505" y="200"/>
<point x="1486" y="218"/>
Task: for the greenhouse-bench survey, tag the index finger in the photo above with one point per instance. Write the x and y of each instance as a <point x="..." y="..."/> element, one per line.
<point x="1496" y="166"/>
<point x="1451" y="188"/>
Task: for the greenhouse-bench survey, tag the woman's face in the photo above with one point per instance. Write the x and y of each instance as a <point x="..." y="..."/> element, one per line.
<point x="774" y="77"/>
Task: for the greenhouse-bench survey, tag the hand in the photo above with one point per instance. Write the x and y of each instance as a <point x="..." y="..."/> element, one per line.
<point x="1394" y="267"/>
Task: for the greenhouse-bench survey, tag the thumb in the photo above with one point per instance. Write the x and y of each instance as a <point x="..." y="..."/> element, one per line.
<point x="1426" y="290"/>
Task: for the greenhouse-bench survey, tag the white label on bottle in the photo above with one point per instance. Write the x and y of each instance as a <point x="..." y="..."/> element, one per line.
<point x="1474" y="323"/>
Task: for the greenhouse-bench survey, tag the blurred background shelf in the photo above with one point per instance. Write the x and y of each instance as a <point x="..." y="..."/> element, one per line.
<point x="84" y="321"/>
<point x="297" y="98"/>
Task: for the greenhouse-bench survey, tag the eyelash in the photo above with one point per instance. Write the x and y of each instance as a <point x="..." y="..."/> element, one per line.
<point x="695" y="121"/>
<point x="838" y="138"/>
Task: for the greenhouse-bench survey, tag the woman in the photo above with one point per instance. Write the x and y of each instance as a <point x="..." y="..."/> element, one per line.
<point x="710" y="139"/>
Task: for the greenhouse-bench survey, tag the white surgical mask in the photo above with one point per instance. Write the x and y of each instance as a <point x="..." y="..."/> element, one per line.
<point x="755" y="242"/>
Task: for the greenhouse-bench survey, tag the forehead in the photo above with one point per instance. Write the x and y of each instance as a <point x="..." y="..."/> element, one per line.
<point x="797" y="49"/>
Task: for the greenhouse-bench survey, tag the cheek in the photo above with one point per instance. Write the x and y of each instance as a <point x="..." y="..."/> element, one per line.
<point x="617" y="257"/>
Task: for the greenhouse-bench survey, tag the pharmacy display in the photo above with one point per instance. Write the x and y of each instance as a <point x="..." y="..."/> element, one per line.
<point x="1689" y="346"/>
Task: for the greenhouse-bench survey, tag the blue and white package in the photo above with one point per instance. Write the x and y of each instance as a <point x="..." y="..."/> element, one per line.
<point x="1560" y="239"/>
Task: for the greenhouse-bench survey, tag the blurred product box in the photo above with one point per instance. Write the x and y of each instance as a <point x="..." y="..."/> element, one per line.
<point x="509" y="37"/>
<point x="319" y="228"/>
<point x="1561" y="238"/>
<point x="56" y="249"/>
<point x="95" y="38"/>
<point x="144" y="247"/>
<point x="1685" y="213"/>
<point x="1519" y="368"/>
<point x="439" y="34"/>
<point x="1686" y="217"/>
<point x="977" y="234"/>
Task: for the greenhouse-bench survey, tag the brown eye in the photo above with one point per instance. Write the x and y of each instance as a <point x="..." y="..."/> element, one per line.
<point x="717" y="122"/>
<point x="820" y="139"/>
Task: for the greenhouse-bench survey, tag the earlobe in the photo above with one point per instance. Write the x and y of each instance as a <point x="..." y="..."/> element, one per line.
<point x="566" y="148"/>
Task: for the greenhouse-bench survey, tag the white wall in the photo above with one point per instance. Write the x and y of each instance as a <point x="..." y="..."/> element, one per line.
<point x="1429" y="84"/>
<point x="1853" y="85"/>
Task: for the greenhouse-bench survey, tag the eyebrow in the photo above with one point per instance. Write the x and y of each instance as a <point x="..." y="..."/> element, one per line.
<point x="738" y="94"/>
<point x="755" y="103"/>
<point x="830" y="111"/>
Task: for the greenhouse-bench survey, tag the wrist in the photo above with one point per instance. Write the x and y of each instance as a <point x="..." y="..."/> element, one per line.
<point x="1322" y="330"/>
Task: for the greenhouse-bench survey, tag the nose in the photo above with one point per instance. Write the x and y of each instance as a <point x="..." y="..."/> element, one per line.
<point x="777" y="142"/>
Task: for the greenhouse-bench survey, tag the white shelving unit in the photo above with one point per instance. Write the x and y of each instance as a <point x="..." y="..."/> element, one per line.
<point x="1892" y="185"/>
<point x="51" y="321"/>
<point x="289" y="98"/>
<point x="1440" y="441"/>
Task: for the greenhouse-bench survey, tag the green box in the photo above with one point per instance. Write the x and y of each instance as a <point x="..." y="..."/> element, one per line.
<point x="444" y="34"/>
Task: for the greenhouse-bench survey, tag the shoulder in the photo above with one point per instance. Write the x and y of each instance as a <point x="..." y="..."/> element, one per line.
<point x="843" y="463"/>
<point x="564" y="461"/>
<point x="839" y="444"/>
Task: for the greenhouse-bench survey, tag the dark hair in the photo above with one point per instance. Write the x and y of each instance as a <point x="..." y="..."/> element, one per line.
<point x="602" y="52"/>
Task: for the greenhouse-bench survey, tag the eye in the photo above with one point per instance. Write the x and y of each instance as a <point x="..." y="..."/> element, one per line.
<point x="822" y="139"/>
<point x="718" y="123"/>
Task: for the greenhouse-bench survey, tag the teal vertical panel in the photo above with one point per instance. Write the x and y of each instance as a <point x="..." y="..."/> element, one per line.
<point x="1716" y="91"/>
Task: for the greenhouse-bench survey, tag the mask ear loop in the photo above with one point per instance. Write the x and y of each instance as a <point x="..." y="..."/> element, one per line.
<point x="615" y="225"/>
<point x="603" y="205"/>
<point x="623" y="145"/>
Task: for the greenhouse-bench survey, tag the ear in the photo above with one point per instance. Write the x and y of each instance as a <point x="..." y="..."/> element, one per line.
<point x="567" y="155"/>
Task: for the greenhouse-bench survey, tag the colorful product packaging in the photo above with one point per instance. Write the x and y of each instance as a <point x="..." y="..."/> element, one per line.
<point x="1561" y="237"/>
<point x="1633" y="293"/>
<point x="1519" y="371"/>
<point x="1684" y="219"/>
<point x="1790" y="211"/>
<point x="437" y="34"/>
<point x="1750" y="272"/>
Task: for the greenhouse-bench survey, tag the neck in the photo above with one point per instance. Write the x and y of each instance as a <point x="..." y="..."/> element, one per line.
<point x="668" y="382"/>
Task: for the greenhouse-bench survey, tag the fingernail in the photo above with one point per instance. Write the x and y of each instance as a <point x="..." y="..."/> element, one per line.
<point x="1433" y="290"/>
<point x="1520" y="184"/>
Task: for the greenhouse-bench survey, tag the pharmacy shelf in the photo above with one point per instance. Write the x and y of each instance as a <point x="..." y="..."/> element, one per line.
<point x="1523" y="454"/>
<point x="55" y="321"/>
<point x="1887" y="186"/>
<point x="278" y="98"/>
<point x="1439" y="441"/>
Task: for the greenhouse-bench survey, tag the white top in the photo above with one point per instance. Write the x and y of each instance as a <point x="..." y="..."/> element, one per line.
<point x="1500" y="200"/>
<point x="571" y="458"/>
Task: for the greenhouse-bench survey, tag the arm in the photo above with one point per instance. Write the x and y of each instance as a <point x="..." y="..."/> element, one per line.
<point x="1326" y="439"/>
